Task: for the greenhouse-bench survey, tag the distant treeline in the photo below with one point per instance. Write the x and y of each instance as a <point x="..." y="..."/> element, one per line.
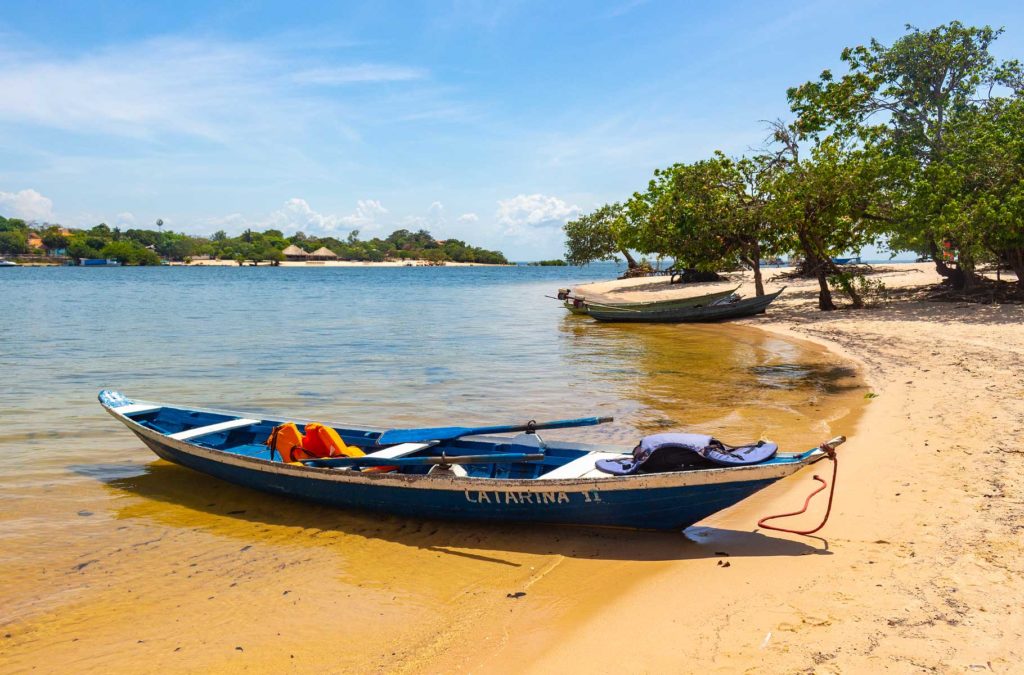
<point x="149" y="247"/>
<point x="919" y="146"/>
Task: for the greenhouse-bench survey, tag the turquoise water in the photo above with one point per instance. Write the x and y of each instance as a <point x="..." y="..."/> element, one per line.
<point x="110" y="555"/>
<point x="379" y="346"/>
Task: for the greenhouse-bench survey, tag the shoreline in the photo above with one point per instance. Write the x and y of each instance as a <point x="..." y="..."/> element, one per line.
<point x="919" y="567"/>
<point x="334" y="263"/>
<point x="295" y="264"/>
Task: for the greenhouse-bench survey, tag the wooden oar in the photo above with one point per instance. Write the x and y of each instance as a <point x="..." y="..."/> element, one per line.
<point x="493" y="458"/>
<point x="395" y="436"/>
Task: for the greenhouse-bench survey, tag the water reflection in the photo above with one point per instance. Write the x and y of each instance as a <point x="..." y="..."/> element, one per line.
<point x="406" y="347"/>
<point x="733" y="381"/>
<point x="178" y="498"/>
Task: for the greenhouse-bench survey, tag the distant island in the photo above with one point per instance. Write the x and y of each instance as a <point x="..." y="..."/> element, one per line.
<point x="154" y="247"/>
<point x="558" y="262"/>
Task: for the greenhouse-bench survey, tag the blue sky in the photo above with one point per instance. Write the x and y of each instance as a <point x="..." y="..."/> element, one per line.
<point x="489" y="121"/>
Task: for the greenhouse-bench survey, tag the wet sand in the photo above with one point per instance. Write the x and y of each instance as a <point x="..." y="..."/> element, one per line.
<point x="919" y="569"/>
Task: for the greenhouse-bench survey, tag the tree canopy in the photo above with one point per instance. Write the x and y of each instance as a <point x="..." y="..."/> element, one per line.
<point x="149" y="247"/>
<point x="919" y="143"/>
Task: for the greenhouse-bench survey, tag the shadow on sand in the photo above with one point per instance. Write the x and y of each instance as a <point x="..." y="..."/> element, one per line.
<point x="167" y="484"/>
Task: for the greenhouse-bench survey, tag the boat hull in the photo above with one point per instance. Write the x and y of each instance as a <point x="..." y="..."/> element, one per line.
<point x="652" y="305"/>
<point x="706" y="314"/>
<point x="230" y="446"/>
<point x="651" y="508"/>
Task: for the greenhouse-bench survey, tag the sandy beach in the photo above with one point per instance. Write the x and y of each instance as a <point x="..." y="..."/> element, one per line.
<point x="919" y="569"/>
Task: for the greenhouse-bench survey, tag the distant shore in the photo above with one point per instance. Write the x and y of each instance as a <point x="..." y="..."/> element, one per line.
<point x="301" y="264"/>
<point x="334" y="263"/>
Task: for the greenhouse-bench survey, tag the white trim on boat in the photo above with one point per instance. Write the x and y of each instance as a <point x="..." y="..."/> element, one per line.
<point x="212" y="429"/>
<point x="605" y="481"/>
<point x="136" y="408"/>
<point x="395" y="451"/>
<point x="401" y="450"/>
<point x="582" y="466"/>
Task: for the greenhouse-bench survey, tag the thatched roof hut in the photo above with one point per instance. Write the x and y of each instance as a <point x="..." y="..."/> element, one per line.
<point x="323" y="253"/>
<point x="293" y="252"/>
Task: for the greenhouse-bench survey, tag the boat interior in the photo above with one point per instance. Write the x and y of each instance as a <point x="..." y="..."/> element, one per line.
<point x="247" y="437"/>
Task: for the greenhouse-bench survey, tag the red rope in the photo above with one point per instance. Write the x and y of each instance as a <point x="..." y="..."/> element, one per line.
<point x="830" y="451"/>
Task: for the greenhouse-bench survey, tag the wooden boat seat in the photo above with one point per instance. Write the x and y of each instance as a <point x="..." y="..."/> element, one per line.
<point x="189" y="434"/>
<point x="582" y="467"/>
<point x="136" y="408"/>
<point x="404" y="450"/>
<point x="401" y="450"/>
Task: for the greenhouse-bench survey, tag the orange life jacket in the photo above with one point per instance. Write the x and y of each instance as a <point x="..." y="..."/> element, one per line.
<point x="323" y="441"/>
<point x="318" y="441"/>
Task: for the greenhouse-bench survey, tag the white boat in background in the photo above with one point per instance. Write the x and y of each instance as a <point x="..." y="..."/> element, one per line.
<point x="8" y="263"/>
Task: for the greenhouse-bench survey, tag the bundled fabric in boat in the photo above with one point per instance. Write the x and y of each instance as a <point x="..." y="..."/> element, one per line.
<point x="318" y="441"/>
<point x="674" y="451"/>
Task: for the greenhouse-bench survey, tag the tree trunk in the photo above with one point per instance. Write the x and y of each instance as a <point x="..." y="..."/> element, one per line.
<point x="814" y="262"/>
<point x="844" y="281"/>
<point x="754" y="261"/>
<point x="1016" y="259"/>
<point x="966" y="267"/>
<point x="755" y="264"/>
<point x="825" y="303"/>
<point x="630" y="260"/>
<point x="954" y="274"/>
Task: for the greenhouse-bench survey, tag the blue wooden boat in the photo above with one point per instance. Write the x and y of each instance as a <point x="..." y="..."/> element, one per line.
<point x="462" y="477"/>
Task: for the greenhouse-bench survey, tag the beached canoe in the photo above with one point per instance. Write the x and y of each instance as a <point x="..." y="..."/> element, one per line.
<point x="719" y="311"/>
<point x="582" y="305"/>
<point x="480" y="477"/>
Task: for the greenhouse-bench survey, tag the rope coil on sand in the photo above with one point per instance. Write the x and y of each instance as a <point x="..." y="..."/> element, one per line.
<point x="829" y="448"/>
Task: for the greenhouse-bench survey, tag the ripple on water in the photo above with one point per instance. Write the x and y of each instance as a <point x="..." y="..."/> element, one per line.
<point x="92" y="523"/>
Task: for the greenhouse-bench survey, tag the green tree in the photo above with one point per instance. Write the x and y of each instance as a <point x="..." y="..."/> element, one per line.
<point x="828" y="202"/>
<point x="712" y="213"/>
<point x="601" y="235"/>
<point x="13" y="225"/>
<point x="54" y="239"/>
<point x="129" y="253"/>
<point x="13" y="242"/>
<point x="978" y="192"/>
<point x="901" y="99"/>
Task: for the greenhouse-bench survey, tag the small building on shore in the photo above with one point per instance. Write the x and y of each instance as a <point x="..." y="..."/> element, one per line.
<point x="323" y="253"/>
<point x="293" y="252"/>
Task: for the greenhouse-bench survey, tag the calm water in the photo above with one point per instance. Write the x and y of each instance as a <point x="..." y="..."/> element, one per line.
<point x="82" y="502"/>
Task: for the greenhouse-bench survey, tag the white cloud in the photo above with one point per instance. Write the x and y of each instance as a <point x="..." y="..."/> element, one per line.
<point x="125" y="219"/>
<point x="26" y="204"/>
<point x="297" y="214"/>
<point x="468" y="218"/>
<point x="210" y="89"/>
<point x="363" y="73"/>
<point x="536" y="210"/>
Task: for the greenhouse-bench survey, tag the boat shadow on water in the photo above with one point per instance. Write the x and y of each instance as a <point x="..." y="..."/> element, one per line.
<point x="164" y="486"/>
